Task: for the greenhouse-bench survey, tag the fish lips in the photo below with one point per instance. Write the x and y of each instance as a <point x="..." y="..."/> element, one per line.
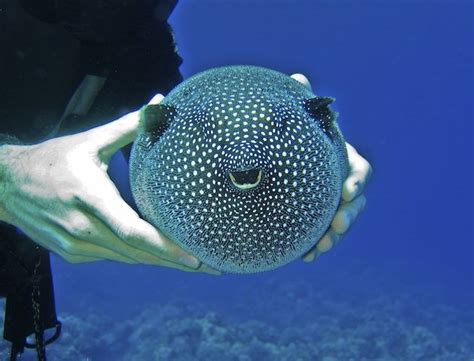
<point x="246" y="179"/>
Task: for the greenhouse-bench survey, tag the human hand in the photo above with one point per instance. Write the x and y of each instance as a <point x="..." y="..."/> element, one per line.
<point x="352" y="204"/>
<point x="58" y="193"/>
<point x="352" y="201"/>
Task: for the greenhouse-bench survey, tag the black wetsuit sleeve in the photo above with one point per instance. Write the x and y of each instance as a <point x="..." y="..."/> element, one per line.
<point x="128" y="43"/>
<point x="110" y="30"/>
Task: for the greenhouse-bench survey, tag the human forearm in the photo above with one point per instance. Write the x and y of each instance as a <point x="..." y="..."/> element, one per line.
<point x="6" y="143"/>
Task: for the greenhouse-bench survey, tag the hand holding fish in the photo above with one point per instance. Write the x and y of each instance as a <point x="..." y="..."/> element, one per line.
<point x="353" y="201"/>
<point x="352" y="204"/>
<point x="59" y="194"/>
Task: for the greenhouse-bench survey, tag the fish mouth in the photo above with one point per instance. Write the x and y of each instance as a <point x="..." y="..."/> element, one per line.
<point x="246" y="179"/>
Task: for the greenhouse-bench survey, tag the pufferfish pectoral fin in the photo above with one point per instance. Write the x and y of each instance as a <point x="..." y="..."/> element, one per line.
<point x="318" y="107"/>
<point x="154" y="120"/>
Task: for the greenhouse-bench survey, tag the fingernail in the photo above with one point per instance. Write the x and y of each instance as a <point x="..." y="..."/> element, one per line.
<point x="205" y="268"/>
<point x="191" y="262"/>
<point x="309" y="257"/>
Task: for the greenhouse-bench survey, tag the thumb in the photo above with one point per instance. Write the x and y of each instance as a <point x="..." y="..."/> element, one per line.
<point x="112" y="136"/>
<point x="302" y="79"/>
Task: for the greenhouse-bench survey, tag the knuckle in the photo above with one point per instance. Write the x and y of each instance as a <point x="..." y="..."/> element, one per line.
<point x="129" y="233"/>
<point x="163" y="249"/>
<point x="76" y="199"/>
<point x="70" y="196"/>
<point x="124" y="232"/>
<point x="79" y="225"/>
<point x="66" y="196"/>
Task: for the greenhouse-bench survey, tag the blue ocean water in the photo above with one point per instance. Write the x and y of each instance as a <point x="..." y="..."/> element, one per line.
<point x="400" y="286"/>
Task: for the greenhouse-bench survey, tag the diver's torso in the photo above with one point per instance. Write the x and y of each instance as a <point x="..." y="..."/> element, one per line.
<point x="43" y="62"/>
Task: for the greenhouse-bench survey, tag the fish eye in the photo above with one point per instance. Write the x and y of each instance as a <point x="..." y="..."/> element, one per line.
<point x="246" y="179"/>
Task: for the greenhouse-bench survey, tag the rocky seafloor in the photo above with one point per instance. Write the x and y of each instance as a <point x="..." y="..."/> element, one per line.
<point x="306" y="323"/>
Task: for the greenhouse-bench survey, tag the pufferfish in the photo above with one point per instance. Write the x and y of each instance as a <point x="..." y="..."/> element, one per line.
<point x="242" y="166"/>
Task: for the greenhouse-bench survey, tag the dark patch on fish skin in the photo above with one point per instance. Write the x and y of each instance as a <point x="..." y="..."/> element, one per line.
<point x="154" y="120"/>
<point x="319" y="108"/>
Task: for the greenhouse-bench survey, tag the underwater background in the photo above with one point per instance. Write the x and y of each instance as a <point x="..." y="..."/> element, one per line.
<point x="400" y="286"/>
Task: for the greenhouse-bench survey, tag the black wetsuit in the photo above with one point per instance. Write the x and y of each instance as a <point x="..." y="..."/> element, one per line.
<point x="47" y="47"/>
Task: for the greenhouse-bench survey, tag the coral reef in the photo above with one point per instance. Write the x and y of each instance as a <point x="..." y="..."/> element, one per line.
<point x="299" y="322"/>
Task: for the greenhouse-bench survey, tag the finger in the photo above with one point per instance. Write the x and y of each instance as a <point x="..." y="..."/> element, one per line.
<point x="111" y="247"/>
<point x="73" y="251"/>
<point x="206" y="269"/>
<point x="360" y="173"/>
<point x="79" y="248"/>
<point x="156" y="99"/>
<point x="75" y="259"/>
<point x="61" y="237"/>
<point x="347" y="213"/>
<point x="201" y="269"/>
<point x="71" y="258"/>
<point x="126" y="224"/>
<point x="117" y="134"/>
<point x="302" y="79"/>
<point x="164" y="263"/>
<point x="97" y="232"/>
<point x="109" y="138"/>
<point x="69" y="254"/>
<point x="311" y="255"/>
<point x="329" y="239"/>
<point x="47" y="240"/>
<point x="81" y="233"/>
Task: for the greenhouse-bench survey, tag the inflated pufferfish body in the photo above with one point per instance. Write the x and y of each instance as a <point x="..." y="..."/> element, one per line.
<point x="242" y="166"/>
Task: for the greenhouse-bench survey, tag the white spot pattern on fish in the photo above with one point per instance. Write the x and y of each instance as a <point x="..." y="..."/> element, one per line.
<point x="242" y="166"/>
